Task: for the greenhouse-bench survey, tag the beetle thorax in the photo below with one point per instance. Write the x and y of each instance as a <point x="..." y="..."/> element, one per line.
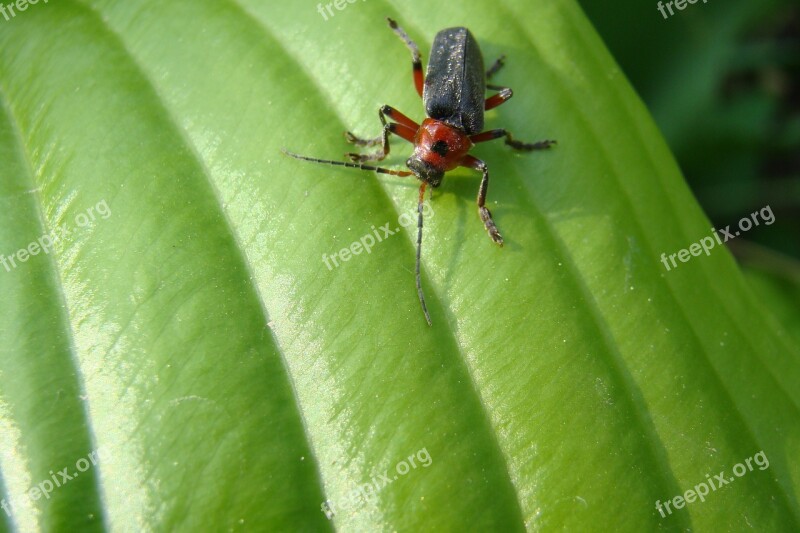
<point x="438" y="148"/>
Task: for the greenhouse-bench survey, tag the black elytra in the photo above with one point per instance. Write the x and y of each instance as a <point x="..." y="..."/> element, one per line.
<point x="455" y="84"/>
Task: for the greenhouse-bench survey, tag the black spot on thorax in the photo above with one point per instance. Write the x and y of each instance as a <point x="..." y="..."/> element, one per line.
<point x="440" y="147"/>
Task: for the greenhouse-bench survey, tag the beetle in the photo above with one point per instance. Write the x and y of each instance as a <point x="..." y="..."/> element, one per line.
<point x="453" y="92"/>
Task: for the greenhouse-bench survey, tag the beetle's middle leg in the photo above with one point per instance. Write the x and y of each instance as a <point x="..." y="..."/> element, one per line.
<point x="403" y="127"/>
<point x="490" y="135"/>
<point x="496" y="99"/>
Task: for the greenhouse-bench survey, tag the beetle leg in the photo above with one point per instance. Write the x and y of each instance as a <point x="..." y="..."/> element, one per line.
<point x="404" y="128"/>
<point x="416" y="60"/>
<point x="499" y="98"/>
<point x="486" y="215"/>
<point x="362" y="142"/>
<point x="510" y="141"/>
<point x="387" y="111"/>
<point x="367" y="142"/>
<point x="397" y="116"/>
<point x="392" y="127"/>
<point x="497" y="65"/>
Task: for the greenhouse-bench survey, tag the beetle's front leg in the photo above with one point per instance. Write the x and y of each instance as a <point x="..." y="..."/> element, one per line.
<point x="362" y="142"/>
<point x="404" y="127"/>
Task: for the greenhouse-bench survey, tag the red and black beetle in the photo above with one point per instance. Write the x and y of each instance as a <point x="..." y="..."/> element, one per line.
<point x="454" y="95"/>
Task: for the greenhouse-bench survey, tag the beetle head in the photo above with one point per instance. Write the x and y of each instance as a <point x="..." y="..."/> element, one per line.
<point x="424" y="170"/>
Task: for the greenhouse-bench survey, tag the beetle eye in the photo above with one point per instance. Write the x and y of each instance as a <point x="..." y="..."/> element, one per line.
<point x="440" y="147"/>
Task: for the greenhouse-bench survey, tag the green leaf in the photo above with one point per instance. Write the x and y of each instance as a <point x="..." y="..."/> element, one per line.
<point x="230" y="381"/>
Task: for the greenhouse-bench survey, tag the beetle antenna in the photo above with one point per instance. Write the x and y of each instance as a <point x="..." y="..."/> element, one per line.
<point x="360" y="166"/>
<point x="419" y="251"/>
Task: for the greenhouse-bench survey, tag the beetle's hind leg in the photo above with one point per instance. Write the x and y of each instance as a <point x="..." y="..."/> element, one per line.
<point x="510" y="141"/>
<point x="416" y="58"/>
